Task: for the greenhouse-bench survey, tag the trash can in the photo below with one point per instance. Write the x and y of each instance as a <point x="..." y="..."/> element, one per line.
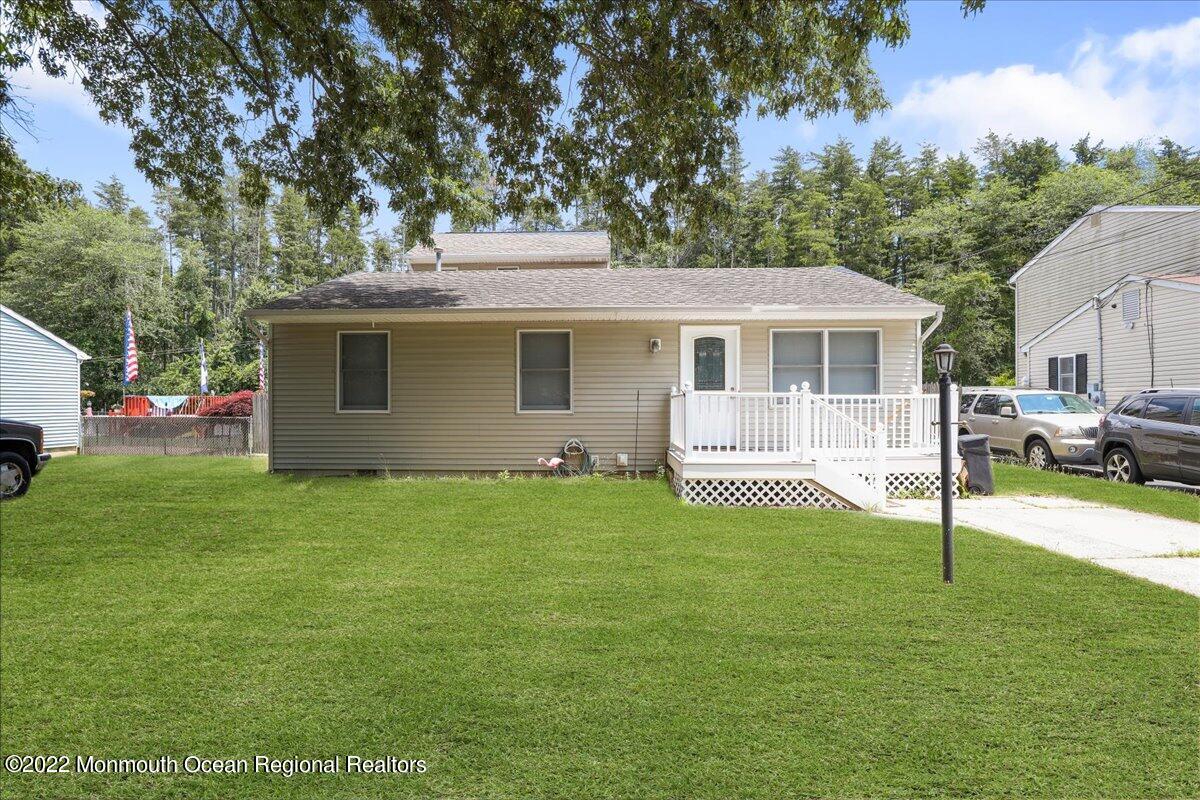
<point x="977" y="455"/>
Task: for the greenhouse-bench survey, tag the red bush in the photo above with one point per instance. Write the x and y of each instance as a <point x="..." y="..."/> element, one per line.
<point x="238" y="404"/>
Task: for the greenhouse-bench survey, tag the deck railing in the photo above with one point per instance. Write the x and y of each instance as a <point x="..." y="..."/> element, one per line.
<point x="804" y="426"/>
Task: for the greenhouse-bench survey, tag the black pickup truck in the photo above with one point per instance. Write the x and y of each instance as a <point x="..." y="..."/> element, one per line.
<point x="21" y="456"/>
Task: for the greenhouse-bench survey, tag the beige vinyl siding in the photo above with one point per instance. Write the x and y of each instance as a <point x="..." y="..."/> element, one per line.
<point x="454" y="394"/>
<point x="1101" y="251"/>
<point x="1175" y="314"/>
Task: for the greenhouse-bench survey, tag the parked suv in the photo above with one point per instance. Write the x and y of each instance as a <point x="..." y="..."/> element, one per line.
<point x="1152" y="435"/>
<point x="21" y="456"/>
<point x="1045" y="427"/>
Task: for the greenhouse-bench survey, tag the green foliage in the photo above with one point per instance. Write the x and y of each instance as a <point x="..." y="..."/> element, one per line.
<point x="334" y="97"/>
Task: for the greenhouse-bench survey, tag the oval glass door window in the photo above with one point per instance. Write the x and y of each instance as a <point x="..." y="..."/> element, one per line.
<point x="709" y="355"/>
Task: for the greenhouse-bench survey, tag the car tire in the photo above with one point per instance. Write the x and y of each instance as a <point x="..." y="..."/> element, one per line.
<point x="15" y="475"/>
<point x="1038" y="454"/>
<point x="1121" y="467"/>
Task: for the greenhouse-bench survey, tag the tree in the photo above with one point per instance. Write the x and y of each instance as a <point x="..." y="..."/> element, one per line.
<point x="344" y="95"/>
<point x="297" y="254"/>
<point x="76" y="270"/>
<point x="112" y="196"/>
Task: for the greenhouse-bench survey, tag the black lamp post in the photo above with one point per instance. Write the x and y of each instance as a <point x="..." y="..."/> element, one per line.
<point x="943" y="356"/>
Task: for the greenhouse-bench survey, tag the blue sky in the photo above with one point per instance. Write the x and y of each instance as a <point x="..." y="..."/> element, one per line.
<point x="1124" y="71"/>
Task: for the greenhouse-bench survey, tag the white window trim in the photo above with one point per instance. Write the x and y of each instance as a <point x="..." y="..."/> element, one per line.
<point x="1074" y="374"/>
<point x="825" y="354"/>
<point x="337" y="376"/>
<point x="570" y="376"/>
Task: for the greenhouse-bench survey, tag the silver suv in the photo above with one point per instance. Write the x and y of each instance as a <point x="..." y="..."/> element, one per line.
<point x="1043" y="426"/>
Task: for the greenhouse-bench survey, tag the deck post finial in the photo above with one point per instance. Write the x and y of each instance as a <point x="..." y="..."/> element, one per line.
<point x="804" y="387"/>
<point x="792" y="388"/>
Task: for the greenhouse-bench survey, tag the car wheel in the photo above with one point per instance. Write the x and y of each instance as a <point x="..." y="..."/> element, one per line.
<point x="1121" y="467"/>
<point x="1038" y="455"/>
<point x="14" y="475"/>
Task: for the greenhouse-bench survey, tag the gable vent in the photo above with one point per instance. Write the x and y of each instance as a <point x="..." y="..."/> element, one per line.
<point x="1131" y="307"/>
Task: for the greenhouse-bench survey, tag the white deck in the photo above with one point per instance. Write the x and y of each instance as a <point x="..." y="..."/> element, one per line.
<point x="858" y="448"/>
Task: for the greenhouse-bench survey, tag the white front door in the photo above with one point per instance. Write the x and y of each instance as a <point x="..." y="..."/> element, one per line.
<point x="709" y="362"/>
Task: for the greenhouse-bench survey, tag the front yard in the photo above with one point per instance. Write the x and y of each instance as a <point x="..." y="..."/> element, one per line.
<point x="1019" y="479"/>
<point x="537" y="638"/>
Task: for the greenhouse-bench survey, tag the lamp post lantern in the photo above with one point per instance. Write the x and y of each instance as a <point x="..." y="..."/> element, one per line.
<point x="943" y="356"/>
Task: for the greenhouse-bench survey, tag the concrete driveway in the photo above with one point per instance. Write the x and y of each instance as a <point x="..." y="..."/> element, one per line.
<point x="1143" y="545"/>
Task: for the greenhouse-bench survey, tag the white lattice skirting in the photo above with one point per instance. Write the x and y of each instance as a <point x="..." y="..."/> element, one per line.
<point x="915" y="485"/>
<point x="795" y="492"/>
<point x="779" y="492"/>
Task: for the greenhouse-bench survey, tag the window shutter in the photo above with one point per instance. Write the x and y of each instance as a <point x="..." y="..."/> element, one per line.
<point x="1053" y="373"/>
<point x="1081" y="376"/>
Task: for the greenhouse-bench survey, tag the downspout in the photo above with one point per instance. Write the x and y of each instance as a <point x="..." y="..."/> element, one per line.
<point x="929" y="331"/>
<point x="937" y="320"/>
<point x="437" y="263"/>
<point x="1099" y="304"/>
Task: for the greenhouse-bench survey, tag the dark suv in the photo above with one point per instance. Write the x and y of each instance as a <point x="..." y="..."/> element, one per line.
<point x="1152" y="435"/>
<point x="21" y="456"/>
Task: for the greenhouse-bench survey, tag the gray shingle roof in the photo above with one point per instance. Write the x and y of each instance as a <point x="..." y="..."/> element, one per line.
<point x="515" y="247"/>
<point x="599" y="288"/>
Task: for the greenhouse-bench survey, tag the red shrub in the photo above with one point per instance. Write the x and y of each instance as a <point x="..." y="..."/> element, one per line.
<point x="238" y="404"/>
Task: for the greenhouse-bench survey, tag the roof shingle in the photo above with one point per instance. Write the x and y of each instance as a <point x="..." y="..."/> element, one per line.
<point x="588" y="288"/>
<point x="515" y="247"/>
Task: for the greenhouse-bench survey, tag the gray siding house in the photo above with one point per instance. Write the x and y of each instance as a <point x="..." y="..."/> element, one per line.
<point x="39" y="379"/>
<point x="1112" y="304"/>
<point x="777" y="386"/>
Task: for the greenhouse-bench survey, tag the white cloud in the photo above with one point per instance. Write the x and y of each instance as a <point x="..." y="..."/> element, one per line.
<point x="1177" y="45"/>
<point x="37" y="88"/>
<point x="1105" y="91"/>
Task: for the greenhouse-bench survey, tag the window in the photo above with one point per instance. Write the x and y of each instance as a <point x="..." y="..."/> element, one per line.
<point x="364" y="373"/>
<point x="1004" y="401"/>
<point x="1066" y="374"/>
<point x="708" y="363"/>
<point x="853" y="362"/>
<point x="1054" y="404"/>
<point x="1133" y="408"/>
<point x="1196" y="410"/>
<point x="544" y="371"/>
<point x="987" y="405"/>
<point x="796" y="357"/>
<point x="1131" y="307"/>
<point x="1165" y="409"/>
<point x="830" y="361"/>
<point x="965" y="405"/>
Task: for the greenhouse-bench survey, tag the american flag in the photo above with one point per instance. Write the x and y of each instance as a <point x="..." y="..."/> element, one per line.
<point x="262" y="367"/>
<point x="131" y="360"/>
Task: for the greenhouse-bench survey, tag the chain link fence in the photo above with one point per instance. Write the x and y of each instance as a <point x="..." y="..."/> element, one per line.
<point x="171" y="436"/>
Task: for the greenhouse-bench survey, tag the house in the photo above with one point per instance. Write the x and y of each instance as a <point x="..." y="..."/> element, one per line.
<point x="1111" y="305"/>
<point x="688" y="369"/>
<point x="39" y="380"/>
<point x="508" y="251"/>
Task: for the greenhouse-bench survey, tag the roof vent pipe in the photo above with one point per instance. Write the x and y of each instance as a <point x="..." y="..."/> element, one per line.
<point x="437" y="264"/>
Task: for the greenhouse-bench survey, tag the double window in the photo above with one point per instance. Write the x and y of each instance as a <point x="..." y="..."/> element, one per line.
<point x="544" y="371"/>
<point x="364" y="372"/>
<point x="830" y="361"/>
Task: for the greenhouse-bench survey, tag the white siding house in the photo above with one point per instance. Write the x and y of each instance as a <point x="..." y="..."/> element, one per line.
<point x="1112" y="304"/>
<point x="39" y="379"/>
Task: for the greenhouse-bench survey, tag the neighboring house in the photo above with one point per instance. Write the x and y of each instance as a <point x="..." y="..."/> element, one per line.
<point x="506" y="251"/>
<point x="690" y="369"/>
<point x="39" y="379"/>
<point x="1112" y="304"/>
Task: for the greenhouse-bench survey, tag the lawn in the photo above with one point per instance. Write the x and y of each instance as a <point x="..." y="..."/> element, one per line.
<point x="1017" y="479"/>
<point x="538" y="638"/>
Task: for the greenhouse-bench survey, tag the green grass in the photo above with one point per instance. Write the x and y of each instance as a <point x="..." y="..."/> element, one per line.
<point x="1016" y="479"/>
<point x="537" y="638"/>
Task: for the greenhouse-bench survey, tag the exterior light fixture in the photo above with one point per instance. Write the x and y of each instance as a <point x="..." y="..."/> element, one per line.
<point x="943" y="356"/>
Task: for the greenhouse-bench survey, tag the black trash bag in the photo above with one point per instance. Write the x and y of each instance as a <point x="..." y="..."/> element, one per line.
<point x="977" y="455"/>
